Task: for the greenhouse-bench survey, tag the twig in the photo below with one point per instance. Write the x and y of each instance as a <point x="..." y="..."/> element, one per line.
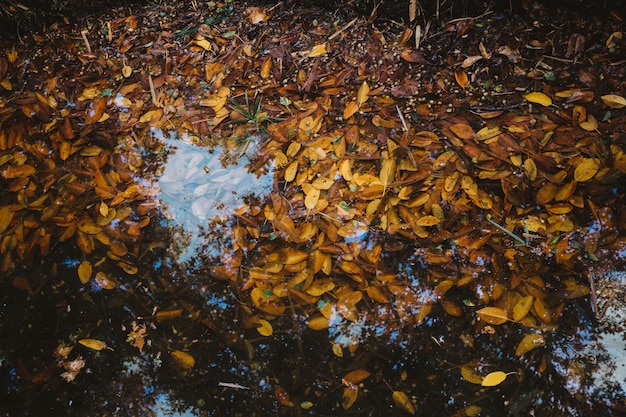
<point x="152" y="92"/>
<point x="84" y="35"/>
<point x="350" y="23"/>
<point x="460" y="19"/>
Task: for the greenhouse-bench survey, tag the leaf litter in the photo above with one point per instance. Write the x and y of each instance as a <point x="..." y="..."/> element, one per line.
<point x="496" y="178"/>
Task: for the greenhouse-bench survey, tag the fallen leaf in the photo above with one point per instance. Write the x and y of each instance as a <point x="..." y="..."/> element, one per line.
<point x="493" y="315"/>
<point x="84" y="271"/>
<point x="522" y="307"/>
<point x="94" y="344"/>
<point x="317" y="50"/>
<point x="265" y="328"/>
<point x="461" y="78"/>
<point x="183" y="360"/>
<point x="403" y="401"/>
<point x="362" y="94"/>
<point x="614" y="101"/>
<point x="493" y="379"/>
<point x="528" y="343"/>
<point x="586" y="170"/>
<point x="539" y="98"/>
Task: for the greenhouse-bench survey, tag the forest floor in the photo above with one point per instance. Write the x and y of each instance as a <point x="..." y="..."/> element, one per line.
<point x="442" y="231"/>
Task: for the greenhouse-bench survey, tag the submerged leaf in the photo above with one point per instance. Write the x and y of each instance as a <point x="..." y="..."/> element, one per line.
<point x="93" y="344"/>
<point x="403" y="401"/>
<point x="183" y="360"/>
<point x="493" y="315"/>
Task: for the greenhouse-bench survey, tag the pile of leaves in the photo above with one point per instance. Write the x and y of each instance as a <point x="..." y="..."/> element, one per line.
<point x="455" y="169"/>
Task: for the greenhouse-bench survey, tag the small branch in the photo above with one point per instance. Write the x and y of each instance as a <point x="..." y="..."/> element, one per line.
<point x="84" y="35"/>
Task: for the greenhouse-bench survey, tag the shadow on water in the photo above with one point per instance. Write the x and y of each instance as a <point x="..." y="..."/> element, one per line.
<point x="186" y="297"/>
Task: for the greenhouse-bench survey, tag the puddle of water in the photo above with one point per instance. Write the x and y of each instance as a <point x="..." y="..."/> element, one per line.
<point x="200" y="192"/>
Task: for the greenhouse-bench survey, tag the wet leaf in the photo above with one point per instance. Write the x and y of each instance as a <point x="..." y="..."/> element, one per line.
<point x="349" y="397"/>
<point x="282" y="396"/>
<point x="318" y="323"/>
<point x="357" y="376"/>
<point x="614" y="101"/>
<point x="183" y="359"/>
<point x="539" y="98"/>
<point x="94" y="344"/>
<point x="470" y="375"/>
<point x="528" y="343"/>
<point x="586" y="170"/>
<point x="104" y="281"/>
<point x="265" y="328"/>
<point x="493" y="315"/>
<point x="522" y="307"/>
<point x="494" y="378"/>
<point x="403" y="401"/>
<point x="84" y="271"/>
<point x="168" y="314"/>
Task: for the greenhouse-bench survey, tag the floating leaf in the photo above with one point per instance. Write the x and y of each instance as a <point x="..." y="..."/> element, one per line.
<point x="349" y="396"/>
<point x="522" y="307"/>
<point x="493" y="379"/>
<point x="470" y="375"/>
<point x="183" y="360"/>
<point x="94" y="344"/>
<point x="493" y="315"/>
<point x="318" y="323"/>
<point x="354" y="377"/>
<point x="586" y="170"/>
<point x="614" y="101"/>
<point x="168" y="314"/>
<point x="265" y="328"/>
<point x="84" y="271"/>
<point x="539" y="98"/>
<point x="403" y="401"/>
<point x="528" y="343"/>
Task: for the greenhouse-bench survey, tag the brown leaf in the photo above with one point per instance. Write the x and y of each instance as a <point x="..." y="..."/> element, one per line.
<point x="413" y="56"/>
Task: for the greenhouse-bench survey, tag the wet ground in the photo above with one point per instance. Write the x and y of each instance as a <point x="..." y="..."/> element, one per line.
<point x="217" y="209"/>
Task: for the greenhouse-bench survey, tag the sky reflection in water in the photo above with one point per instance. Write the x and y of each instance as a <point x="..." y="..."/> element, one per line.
<point x="198" y="190"/>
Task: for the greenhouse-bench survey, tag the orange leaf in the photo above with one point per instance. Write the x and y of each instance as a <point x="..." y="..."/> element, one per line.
<point x="357" y="376"/>
<point x="463" y="131"/>
<point x="351" y="108"/>
<point x="461" y="78"/>
<point x="6" y="216"/>
<point x="183" y="359"/>
<point x="402" y="400"/>
<point x="84" y="271"/>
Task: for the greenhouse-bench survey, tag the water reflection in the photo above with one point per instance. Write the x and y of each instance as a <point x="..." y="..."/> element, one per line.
<point x="201" y="188"/>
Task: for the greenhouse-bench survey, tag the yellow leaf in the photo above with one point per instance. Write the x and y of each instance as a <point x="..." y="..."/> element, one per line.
<point x="351" y="108"/>
<point x="586" y="170"/>
<point x="84" y="271"/>
<point x="531" y="169"/>
<point x="11" y="54"/>
<point x="337" y="350"/>
<point x="487" y="133"/>
<point x="203" y="43"/>
<point x="427" y="221"/>
<point x="147" y="116"/>
<point x="493" y="379"/>
<point x="6" y="84"/>
<point x="6" y="216"/>
<point x="522" y="307"/>
<point x="493" y="315"/>
<point x="403" y="401"/>
<point x="126" y="71"/>
<point x="362" y="95"/>
<point x="168" y="314"/>
<point x="528" y="343"/>
<point x="104" y="209"/>
<point x="317" y="50"/>
<point x="183" y="360"/>
<point x="265" y="328"/>
<point x="291" y="171"/>
<point x="614" y="101"/>
<point x="94" y="344"/>
<point x="590" y="124"/>
<point x="539" y="98"/>
<point x="388" y="172"/>
<point x="318" y="323"/>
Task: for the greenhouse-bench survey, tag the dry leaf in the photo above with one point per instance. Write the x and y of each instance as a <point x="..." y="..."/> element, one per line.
<point x="6" y="216"/>
<point x="362" y="94"/>
<point x="614" y="101"/>
<point x="586" y="170"/>
<point x="461" y="78"/>
<point x="317" y="50"/>
<point x="351" y="108"/>
<point x="539" y="98"/>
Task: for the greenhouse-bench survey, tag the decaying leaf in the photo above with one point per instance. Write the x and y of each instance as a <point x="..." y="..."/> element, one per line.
<point x="357" y="376"/>
<point x="402" y="400"/>
<point x="183" y="359"/>
<point x="350" y="394"/>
